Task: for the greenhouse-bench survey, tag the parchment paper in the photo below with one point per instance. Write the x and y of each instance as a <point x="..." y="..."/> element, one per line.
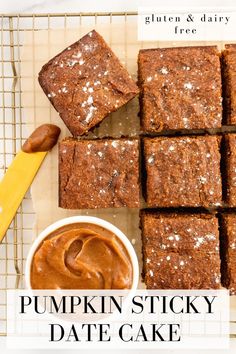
<point x="39" y="47"/>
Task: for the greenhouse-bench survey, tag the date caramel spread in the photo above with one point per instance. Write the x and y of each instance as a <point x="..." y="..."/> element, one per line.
<point x="42" y="139"/>
<point x="81" y="256"/>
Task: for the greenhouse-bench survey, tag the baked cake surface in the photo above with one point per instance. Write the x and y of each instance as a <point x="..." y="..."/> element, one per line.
<point x="183" y="171"/>
<point x="228" y="251"/>
<point x="180" y="88"/>
<point x="180" y="251"/>
<point x="86" y="82"/>
<point x="229" y="82"/>
<point x="101" y="173"/>
<point x="230" y="169"/>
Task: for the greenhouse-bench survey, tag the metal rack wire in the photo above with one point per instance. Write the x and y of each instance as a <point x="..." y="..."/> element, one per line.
<point x="15" y="246"/>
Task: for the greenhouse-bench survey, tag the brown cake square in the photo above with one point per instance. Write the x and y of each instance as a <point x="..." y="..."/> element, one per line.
<point x="183" y="171"/>
<point x="86" y="82"/>
<point x="180" y="251"/>
<point x="180" y="88"/>
<point x="230" y="169"/>
<point x="102" y="173"/>
<point x="229" y="82"/>
<point x="228" y="251"/>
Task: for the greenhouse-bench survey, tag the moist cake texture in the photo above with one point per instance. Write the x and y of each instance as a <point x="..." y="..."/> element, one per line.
<point x="101" y="173"/>
<point x="229" y="82"/>
<point x="86" y="82"/>
<point x="228" y="251"/>
<point x="180" y="88"/>
<point x="180" y="250"/>
<point x="230" y="169"/>
<point x="183" y="171"/>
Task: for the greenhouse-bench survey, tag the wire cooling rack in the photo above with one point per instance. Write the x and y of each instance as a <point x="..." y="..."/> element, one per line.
<point x="15" y="245"/>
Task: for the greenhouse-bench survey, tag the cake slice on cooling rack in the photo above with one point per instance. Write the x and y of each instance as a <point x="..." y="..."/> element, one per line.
<point x="86" y="82"/>
<point x="99" y="173"/>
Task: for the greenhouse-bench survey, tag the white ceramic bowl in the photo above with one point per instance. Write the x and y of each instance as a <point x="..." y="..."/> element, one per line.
<point x="83" y="219"/>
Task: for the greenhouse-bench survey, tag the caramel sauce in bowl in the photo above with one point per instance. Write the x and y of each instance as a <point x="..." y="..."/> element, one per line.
<point x="82" y="252"/>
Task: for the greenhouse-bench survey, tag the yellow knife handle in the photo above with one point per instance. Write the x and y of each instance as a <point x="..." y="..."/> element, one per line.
<point x="15" y="184"/>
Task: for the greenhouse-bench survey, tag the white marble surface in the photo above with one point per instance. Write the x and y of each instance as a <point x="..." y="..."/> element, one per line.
<point x="61" y="6"/>
<point x="231" y="350"/>
<point x="43" y="6"/>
